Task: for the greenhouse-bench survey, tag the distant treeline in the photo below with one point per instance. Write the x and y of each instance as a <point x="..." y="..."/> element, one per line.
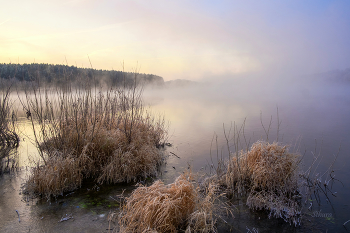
<point x="58" y="75"/>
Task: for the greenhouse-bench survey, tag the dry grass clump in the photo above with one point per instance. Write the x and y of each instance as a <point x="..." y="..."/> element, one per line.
<point x="179" y="206"/>
<point x="203" y="218"/>
<point x="264" y="166"/>
<point x="161" y="208"/>
<point x="267" y="173"/>
<point x="57" y="176"/>
<point x="107" y="136"/>
<point x="109" y="157"/>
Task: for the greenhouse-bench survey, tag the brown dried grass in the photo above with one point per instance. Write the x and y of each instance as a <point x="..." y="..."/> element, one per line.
<point x="9" y="139"/>
<point x="161" y="208"/>
<point x="203" y="219"/>
<point x="57" y="176"/>
<point x="108" y="158"/>
<point x="268" y="174"/>
<point x="108" y="137"/>
<point x="264" y="166"/>
<point x="180" y="206"/>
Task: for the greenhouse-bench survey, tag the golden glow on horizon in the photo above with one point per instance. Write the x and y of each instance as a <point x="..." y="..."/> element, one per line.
<point x="179" y="39"/>
<point x="161" y="46"/>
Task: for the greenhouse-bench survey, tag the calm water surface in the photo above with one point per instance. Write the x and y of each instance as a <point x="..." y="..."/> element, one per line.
<point x="313" y="117"/>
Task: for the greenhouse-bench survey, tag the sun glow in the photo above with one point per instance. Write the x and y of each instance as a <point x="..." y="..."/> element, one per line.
<point x="175" y="40"/>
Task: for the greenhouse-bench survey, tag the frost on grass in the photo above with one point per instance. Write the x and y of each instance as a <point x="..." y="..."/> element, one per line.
<point x="268" y="175"/>
<point x="167" y="208"/>
<point x="109" y="137"/>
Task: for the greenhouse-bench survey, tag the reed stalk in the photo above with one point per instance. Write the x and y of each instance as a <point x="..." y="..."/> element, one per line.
<point x="90" y="132"/>
<point x="9" y="139"/>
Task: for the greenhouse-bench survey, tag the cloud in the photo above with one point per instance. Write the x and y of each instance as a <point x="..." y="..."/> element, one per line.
<point x="190" y="39"/>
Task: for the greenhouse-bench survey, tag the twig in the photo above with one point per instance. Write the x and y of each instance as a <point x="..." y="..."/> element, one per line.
<point x="346" y="222"/>
<point x="278" y="124"/>
<point x="19" y="220"/>
<point x="174" y="154"/>
<point x="262" y="124"/>
<point x="227" y="139"/>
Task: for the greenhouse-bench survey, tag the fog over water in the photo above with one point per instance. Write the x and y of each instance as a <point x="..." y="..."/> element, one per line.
<point x="314" y="114"/>
<point x="314" y="118"/>
<point x="246" y="59"/>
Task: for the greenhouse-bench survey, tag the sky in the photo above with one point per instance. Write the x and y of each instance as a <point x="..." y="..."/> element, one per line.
<point x="183" y="39"/>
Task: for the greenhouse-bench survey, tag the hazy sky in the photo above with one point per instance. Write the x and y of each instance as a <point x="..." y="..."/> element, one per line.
<point x="179" y="39"/>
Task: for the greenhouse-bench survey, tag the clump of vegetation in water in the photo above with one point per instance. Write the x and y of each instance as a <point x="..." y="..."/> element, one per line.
<point x="268" y="175"/>
<point x="8" y="136"/>
<point x="167" y="208"/>
<point x="82" y="133"/>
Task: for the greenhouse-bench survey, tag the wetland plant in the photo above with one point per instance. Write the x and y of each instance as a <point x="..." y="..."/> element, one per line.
<point x="270" y="178"/>
<point x="168" y="208"/>
<point x="9" y="139"/>
<point x="87" y="133"/>
<point x="268" y="175"/>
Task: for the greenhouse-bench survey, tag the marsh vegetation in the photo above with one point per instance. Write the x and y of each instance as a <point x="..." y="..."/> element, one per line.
<point x="89" y="133"/>
<point x="85" y="133"/>
<point x="267" y="175"/>
<point x="9" y="139"/>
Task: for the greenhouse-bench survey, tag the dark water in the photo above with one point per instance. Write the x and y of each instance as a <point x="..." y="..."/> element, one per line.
<point x="314" y="119"/>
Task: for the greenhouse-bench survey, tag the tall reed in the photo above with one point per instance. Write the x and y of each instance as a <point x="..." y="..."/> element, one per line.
<point x="8" y="136"/>
<point x="90" y="132"/>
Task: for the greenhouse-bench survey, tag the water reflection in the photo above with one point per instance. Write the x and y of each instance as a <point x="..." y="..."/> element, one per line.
<point x="314" y="116"/>
<point x="28" y="151"/>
